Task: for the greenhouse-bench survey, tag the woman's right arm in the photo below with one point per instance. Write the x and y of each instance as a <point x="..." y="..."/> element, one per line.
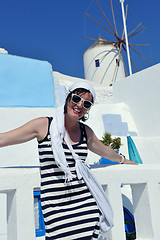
<point x="36" y="128"/>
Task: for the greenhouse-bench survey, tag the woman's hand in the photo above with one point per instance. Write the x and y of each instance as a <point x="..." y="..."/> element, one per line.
<point x="126" y="161"/>
<point x="102" y="150"/>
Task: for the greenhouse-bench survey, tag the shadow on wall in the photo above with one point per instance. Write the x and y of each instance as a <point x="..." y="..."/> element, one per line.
<point x="114" y="125"/>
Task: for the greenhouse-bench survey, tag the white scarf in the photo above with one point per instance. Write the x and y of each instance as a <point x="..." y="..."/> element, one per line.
<point x="58" y="134"/>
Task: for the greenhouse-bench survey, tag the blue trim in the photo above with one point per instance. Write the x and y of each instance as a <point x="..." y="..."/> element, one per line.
<point x="41" y="231"/>
<point x="107" y="161"/>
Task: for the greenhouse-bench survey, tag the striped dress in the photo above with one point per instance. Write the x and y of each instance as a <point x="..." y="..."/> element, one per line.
<point x="70" y="211"/>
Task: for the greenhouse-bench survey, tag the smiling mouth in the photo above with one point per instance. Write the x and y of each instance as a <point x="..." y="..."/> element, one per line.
<point x="76" y="110"/>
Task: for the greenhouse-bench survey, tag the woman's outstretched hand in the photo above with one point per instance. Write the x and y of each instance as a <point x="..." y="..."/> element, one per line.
<point x="126" y="161"/>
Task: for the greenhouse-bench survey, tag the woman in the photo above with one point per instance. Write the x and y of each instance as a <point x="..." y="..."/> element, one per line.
<point x="69" y="208"/>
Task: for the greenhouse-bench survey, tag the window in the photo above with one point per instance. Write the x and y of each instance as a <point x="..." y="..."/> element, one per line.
<point x="97" y="63"/>
<point x="39" y="220"/>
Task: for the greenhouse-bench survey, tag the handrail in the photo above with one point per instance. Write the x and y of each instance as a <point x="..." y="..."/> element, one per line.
<point x="17" y="184"/>
<point x="144" y="182"/>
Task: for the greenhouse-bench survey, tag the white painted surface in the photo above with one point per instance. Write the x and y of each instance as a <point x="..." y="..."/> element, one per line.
<point x="145" y="194"/>
<point x="40" y="238"/>
<point x="141" y="93"/>
<point x="3" y="237"/>
<point x="113" y="118"/>
<point x="3" y="216"/>
<point x="25" y="154"/>
<point x="102" y="92"/>
<point x="149" y="149"/>
<point x="18" y="184"/>
<point x="107" y="73"/>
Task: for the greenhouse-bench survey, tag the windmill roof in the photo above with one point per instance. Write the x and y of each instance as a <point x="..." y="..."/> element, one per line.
<point x="99" y="42"/>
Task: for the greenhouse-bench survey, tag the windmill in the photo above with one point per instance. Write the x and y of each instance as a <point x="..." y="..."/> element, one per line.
<point x="104" y="60"/>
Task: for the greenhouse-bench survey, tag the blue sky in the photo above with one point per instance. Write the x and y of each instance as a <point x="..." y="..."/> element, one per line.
<point x="55" y="31"/>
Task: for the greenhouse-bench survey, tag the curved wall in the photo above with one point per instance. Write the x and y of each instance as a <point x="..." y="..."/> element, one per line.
<point x="100" y="64"/>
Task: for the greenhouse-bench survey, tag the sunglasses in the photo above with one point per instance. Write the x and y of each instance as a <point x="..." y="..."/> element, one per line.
<point x="76" y="99"/>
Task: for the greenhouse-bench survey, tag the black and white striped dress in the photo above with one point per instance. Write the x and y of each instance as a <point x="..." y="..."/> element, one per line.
<point x="70" y="211"/>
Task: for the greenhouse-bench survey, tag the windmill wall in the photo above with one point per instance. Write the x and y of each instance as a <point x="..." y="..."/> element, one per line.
<point x="100" y="62"/>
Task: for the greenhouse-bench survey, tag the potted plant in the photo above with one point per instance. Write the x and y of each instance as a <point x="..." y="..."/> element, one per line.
<point x="113" y="143"/>
<point x="109" y="141"/>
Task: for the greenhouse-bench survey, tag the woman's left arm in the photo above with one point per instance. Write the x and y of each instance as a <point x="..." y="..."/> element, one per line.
<point x="96" y="146"/>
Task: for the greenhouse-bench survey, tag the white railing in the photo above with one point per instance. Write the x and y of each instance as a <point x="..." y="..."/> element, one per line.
<point x="16" y="198"/>
<point x="17" y="202"/>
<point x="144" y="182"/>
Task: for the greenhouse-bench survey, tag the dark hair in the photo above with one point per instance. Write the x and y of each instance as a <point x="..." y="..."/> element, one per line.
<point x="78" y="91"/>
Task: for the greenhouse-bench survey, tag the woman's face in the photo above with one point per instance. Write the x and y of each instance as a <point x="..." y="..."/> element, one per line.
<point x="76" y="110"/>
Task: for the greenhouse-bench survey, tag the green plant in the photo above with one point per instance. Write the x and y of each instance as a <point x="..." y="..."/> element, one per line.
<point x="116" y="143"/>
<point x="106" y="139"/>
<point x="113" y="143"/>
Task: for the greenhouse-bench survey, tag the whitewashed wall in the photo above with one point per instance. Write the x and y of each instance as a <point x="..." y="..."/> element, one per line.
<point x="25" y="154"/>
<point x="107" y="72"/>
<point x="141" y="93"/>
